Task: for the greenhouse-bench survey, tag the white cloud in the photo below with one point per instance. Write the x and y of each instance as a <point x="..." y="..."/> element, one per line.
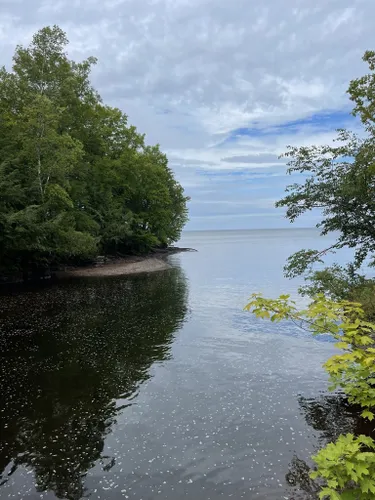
<point x="191" y="72"/>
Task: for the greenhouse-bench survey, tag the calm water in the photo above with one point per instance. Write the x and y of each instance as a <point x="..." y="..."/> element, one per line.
<point x="159" y="387"/>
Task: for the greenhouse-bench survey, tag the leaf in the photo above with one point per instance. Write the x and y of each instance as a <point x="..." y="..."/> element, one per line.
<point x="368" y="414"/>
<point x="368" y="485"/>
<point x="349" y="495"/>
<point x="332" y="483"/>
<point x="330" y="493"/>
<point x="342" y="345"/>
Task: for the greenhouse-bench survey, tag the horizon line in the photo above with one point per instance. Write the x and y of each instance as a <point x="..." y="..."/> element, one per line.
<point x="250" y="229"/>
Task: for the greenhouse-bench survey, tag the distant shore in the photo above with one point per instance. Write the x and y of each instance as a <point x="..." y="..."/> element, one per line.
<point x="119" y="266"/>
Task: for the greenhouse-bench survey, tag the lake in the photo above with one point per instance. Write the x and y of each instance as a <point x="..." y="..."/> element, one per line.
<point x="159" y="386"/>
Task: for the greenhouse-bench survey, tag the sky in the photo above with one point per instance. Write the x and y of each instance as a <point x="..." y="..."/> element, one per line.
<point x="223" y="86"/>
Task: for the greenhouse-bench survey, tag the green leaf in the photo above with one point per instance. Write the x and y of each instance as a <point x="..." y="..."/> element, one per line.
<point x="342" y="345"/>
<point x="368" y="414"/>
<point x="329" y="493"/>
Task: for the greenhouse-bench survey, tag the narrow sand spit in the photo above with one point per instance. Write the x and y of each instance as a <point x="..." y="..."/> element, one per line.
<point x="115" y="266"/>
<point x="121" y="267"/>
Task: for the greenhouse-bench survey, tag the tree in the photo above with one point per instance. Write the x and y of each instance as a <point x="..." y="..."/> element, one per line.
<point x="75" y="178"/>
<point x="339" y="181"/>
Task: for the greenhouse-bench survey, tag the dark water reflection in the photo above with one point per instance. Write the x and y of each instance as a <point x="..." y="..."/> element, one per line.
<point x="73" y="356"/>
<point x="330" y="415"/>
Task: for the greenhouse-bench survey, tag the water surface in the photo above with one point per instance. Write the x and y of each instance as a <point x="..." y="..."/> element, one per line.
<point x="159" y="386"/>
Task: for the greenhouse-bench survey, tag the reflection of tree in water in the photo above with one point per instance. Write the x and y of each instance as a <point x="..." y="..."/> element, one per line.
<point x="298" y="476"/>
<point x="68" y="353"/>
<point x="331" y="415"/>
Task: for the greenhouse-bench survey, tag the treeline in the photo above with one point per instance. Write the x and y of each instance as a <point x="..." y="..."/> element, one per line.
<point x="76" y="180"/>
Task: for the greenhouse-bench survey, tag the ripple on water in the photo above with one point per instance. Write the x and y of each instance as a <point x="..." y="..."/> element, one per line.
<point x="159" y="386"/>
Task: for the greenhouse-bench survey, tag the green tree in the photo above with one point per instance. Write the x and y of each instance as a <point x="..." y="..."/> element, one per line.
<point x="75" y="178"/>
<point x="339" y="180"/>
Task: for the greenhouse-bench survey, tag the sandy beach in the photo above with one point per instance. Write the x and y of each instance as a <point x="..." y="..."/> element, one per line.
<point x="133" y="265"/>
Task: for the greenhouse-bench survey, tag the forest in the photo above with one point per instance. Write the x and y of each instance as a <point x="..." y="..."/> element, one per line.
<point x="76" y="179"/>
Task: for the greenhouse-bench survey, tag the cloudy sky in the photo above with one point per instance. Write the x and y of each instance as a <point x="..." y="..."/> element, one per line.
<point x="222" y="85"/>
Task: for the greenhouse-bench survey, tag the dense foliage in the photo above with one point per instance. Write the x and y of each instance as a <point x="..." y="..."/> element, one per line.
<point x="75" y="179"/>
<point x="346" y="467"/>
<point x="342" y="283"/>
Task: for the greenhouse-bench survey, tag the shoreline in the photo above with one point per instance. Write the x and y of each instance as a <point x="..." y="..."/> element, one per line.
<point x="118" y="268"/>
<point x="103" y="266"/>
<point x="121" y="266"/>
